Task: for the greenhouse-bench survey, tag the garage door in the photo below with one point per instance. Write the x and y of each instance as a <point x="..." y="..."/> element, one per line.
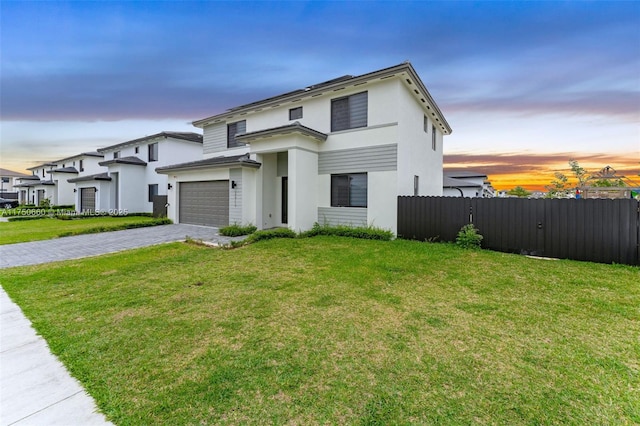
<point x="87" y="199"/>
<point x="204" y="203"/>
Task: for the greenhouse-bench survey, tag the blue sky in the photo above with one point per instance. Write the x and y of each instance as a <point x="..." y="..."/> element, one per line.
<point x="524" y="85"/>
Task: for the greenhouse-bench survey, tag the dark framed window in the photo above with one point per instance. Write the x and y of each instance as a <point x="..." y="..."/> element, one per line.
<point x="81" y="165"/>
<point x="433" y="137"/>
<point x="295" y="113"/>
<point x="116" y="155"/>
<point x="153" y="191"/>
<point x="153" y="152"/>
<point x="349" y="190"/>
<point x="234" y="129"/>
<point x="137" y="150"/>
<point x="349" y="112"/>
<point x="426" y="124"/>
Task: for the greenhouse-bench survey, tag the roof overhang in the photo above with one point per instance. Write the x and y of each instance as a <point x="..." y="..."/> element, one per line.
<point x="100" y="176"/>
<point x="184" y="136"/>
<point x="134" y="161"/>
<point x="211" y="163"/>
<point x="295" y="128"/>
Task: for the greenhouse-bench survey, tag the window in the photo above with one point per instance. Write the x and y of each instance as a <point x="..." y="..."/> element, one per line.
<point x="234" y="129"/>
<point x="349" y="190"/>
<point x="81" y="166"/>
<point x="42" y="172"/>
<point x="349" y="112"/>
<point x="137" y="150"/>
<point x="153" y="191"/>
<point x="416" y="184"/>
<point x="426" y="124"/>
<point x="295" y="113"/>
<point x="116" y="155"/>
<point x="433" y="137"/>
<point x="153" y="152"/>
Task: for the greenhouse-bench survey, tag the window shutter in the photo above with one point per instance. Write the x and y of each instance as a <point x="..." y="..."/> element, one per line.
<point x="358" y="106"/>
<point x="339" y="114"/>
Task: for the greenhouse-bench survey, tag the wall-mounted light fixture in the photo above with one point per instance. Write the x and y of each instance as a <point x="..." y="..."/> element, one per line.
<point x="233" y="184"/>
<point x="75" y="190"/>
<point x="169" y="186"/>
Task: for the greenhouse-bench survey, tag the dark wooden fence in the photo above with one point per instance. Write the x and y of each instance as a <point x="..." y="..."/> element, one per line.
<point x="606" y="231"/>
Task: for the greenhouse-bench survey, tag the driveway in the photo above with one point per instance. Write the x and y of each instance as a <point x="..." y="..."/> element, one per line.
<point x="37" y="252"/>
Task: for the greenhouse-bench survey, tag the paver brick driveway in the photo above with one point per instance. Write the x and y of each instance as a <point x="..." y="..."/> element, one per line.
<point x="36" y="252"/>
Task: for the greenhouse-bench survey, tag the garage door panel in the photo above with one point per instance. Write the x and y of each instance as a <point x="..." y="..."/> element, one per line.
<point x="204" y="203"/>
<point x="87" y="199"/>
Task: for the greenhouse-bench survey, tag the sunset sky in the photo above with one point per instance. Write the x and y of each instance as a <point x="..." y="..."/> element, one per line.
<point x="526" y="86"/>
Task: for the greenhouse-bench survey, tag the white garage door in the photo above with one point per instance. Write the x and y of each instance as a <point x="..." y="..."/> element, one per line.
<point x="204" y="203"/>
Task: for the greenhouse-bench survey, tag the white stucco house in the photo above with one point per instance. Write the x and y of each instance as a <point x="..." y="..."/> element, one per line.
<point x="39" y="186"/>
<point x="8" y="181"/>
<point x="467" y="183"/>
<point x="338" y="152"/>
<point x="127" y="180"/>
<point x="83" y="164"/>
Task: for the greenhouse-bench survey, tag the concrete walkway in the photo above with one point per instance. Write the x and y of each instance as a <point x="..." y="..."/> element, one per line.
<point x="35" y="388"/>
<point x="37" y="252"/>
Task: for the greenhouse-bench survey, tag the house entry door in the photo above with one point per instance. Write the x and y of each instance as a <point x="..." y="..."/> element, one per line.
<point x="285" y="199"/>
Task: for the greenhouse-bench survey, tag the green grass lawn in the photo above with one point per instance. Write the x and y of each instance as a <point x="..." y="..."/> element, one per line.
<point x="44" y="229"/>
<point x="332" y="330"/>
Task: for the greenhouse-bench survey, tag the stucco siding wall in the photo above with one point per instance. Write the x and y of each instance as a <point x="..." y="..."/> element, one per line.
<point x="235" y="196"/>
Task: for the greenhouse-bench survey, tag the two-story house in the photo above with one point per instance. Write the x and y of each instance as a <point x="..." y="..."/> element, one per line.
<point x="64" y="192"/>
<point x="128" y="181"/>
<point x="338" y="152"/>
<point x="8" y="181"/>
<point x="39" y="187"/>
<point x="467" y="183"/>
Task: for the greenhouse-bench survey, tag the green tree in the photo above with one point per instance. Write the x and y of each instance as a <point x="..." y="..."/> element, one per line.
<point x="519" y="191"/>
<point x="559" y="187"/>
<point x="580" y="173"/>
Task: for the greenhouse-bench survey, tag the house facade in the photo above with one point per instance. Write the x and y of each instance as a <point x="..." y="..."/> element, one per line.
<point x="8" y="181"/>
<point x="339" y="152"/>
<point x="126" y="179"/>
<point x="84" y="164"/>
<point x="39" y="186"/>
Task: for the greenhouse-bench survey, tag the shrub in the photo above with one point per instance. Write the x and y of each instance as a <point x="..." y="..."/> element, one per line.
<point x="364" y="232"/>
<point x="269" y="234"/>
<point x="236" y="230"/>
<point x="469" y="237"/>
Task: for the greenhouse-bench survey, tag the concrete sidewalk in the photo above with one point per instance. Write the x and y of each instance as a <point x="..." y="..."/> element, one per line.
<point x="35" y="388"/>
<point x="37" y="252"/>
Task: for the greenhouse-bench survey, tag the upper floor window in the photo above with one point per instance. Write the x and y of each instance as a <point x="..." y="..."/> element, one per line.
<point x="81" y="165"/>
<point x="137" y="150"/>
<point x="433" y="137"/>
<point x="349" y="190"/>
<point x="116" y="155"/>
<point x="295" y="113"/>
<point x="426" y="124"/>
<point x="42" y="172"/>
<point x="153" y="152"/>
<point x="234" y="129"/>
<point x="349" y="112"/>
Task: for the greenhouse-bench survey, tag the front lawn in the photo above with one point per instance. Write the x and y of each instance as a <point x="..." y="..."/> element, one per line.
<point x="44" y="229"/>
<point x="331" y="330"/>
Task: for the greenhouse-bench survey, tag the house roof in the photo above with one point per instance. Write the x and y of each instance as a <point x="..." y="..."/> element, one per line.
<point x="83" y="154"/>
<point x="411" y="78"/>
<point x="282" y="130"/>
<point x="216" y="162"/>
<point x="64" y="170"/>
<point x="135" y="161"/>
<point x="43" y="165"/>
<point x="99" y="176"/>
<point x="463" y="174"/>
<point x="186" y="136"/>
<point x="448" y="182"/>
<point x="11" y="173"/>
<point x="29" y="177"/>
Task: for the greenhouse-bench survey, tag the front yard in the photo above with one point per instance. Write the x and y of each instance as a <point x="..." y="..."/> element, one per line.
<point x="47" y="228"/>
<point x="331" y="330"/>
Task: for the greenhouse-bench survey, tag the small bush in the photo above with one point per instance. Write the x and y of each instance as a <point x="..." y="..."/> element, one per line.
<point x="367" y="233"/>
<point x="469" y="237"/>
<point x="120" y="227"/>
<point x="269" y="234"/>
<point x="236" y="230"/>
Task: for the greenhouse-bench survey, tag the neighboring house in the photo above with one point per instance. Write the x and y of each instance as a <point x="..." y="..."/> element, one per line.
<point x="338" y="152"/>
<point x="127" y="180"/>
<point x="8" y="181"/>
<point x="79" y="165"/>
<point x="39" y="187"/>
<point x="465" y="183"/>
